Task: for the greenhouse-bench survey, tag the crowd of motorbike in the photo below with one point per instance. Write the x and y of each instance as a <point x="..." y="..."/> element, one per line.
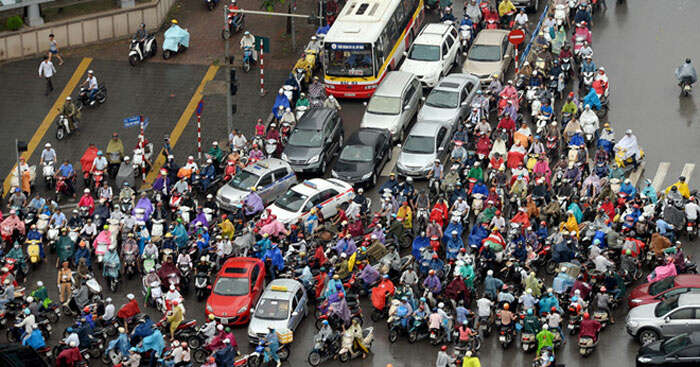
<point x="514" y="206"/>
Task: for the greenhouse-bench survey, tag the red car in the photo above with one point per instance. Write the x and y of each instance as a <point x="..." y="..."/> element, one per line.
<point x="237" y="287"/>
<point x="657" y="291"/>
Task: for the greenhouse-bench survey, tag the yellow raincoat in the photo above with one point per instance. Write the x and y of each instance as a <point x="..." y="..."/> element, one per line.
<point x="406" y="213"/>
<point x="570" y="225"/>
<point x="682" y="189"/>
<point x="227" y="229"/>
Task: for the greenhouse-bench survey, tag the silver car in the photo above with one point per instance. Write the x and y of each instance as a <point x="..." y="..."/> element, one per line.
<point x="427" y="141"/>
<point x="394" y="104"/>
<point x="670" y="317"/>
<point x="271" y="177"/>
<point x="281" y="306"/>
<point x="449" y="101"/>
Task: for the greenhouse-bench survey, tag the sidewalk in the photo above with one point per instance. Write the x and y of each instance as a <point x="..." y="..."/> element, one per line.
<point x="206" y="44"/>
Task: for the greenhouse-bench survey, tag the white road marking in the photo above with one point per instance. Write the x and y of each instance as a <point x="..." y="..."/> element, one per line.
<point x="688" y="171"/>
<point x="660" y="175"/>
<point x="637" y="174"/>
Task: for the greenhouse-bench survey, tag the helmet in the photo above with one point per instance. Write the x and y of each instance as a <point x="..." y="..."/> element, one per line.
<point x="86" y="309"/>
<point x="586" y="316"/>
<point x="506" y="306"/>
<point x="687" y="61"/>
<point x="444" y="347"/>
<point x="174" y="21"/>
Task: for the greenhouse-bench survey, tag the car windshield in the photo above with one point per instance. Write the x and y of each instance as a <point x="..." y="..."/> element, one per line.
<point x="384" y="105"/>
<point x="676" y="343"/>
<point x="485" y="53"/>
<point x="291" y="201"/>
<point x="305" y="138"/>
<point x="424" y="53"/>
<point x="419" y="144"/>
<point x="349" y="59"/>
<point x="272" y="309"/>
<point x="660" y="286"/>
<point x="243" y="180"/>
<point x="357" y="153"/>
<point x="442" y="98"/>
<point x="666" y="306"/>
<point x="231" y="287"/>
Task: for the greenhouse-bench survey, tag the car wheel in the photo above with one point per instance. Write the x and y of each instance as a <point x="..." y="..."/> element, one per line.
<point x="648" y="336"/>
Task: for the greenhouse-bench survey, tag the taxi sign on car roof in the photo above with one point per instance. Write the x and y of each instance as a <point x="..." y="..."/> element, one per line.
<point x="278" y="288"/>
<point x="310" y="184"/>
<point x="262" y="164"/>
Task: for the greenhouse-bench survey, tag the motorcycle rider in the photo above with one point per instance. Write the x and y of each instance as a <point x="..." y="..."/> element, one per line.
<point x="66" y="172"/>
<point x="141" y="35"/>
<point x="331" y="102"/>
<point x="602" y="303"/>
<point x="447" y="15"/>
<point x="686" y="73"/>
<point x="681" y="186"/>
<point x="589" y="327"/>
<point x="72" y="113"/>
<point x="91" y="83"/>
<point x="248" y="40"/>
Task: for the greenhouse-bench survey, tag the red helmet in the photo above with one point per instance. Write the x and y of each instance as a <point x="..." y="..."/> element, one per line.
<point x="586" y="316"/>
<point x="554" y="309"/>
<point x="443" y="348"/>
<point x="341" y="295"/>
<point x="86" y="309"/>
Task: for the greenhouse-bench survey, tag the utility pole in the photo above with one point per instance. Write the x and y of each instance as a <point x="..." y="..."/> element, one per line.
<point x="228" y="62"/>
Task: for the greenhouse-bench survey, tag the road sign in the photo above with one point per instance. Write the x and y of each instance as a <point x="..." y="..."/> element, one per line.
<point x="135" y="121"/>
<point x="516" y="37"/>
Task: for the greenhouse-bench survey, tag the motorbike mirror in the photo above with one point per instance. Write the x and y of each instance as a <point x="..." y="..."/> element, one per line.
<point x="465" y="103"/>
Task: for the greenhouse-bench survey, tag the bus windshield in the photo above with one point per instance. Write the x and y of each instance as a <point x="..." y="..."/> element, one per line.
<point x="349" y="60"/>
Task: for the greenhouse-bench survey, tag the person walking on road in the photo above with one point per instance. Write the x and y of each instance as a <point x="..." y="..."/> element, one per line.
<point x="53" y="49"/>
<point x="47" y="71"/>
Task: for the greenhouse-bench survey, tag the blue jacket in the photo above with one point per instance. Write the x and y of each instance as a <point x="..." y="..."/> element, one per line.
<point x="153" y="342"/>
<point x="418" y="243"/>
<point x="35" y="340"/>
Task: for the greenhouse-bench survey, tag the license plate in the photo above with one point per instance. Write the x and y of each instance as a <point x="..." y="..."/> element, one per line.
<point x="225" y="321"/>
<point x="48" y="327"/>
<point x="502" y="338"/>
<point x="571" y="327"/>
<point x="690" y="229"/>
<point x="350" y="94"/>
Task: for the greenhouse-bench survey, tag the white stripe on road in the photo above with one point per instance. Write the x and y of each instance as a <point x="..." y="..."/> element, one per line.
<point x="688" y="171"/>
<point x="637" y="174"/>
<point x="660" y="175"/>
<point x="389" y="166"/>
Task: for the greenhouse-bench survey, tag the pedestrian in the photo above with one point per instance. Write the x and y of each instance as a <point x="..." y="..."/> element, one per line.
<point x="47" y="70"/>
<point x="53" y="49"/>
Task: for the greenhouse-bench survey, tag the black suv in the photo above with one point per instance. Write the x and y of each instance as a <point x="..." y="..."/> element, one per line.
<point x="15" y="355"/>
<point x="316" y="138"/>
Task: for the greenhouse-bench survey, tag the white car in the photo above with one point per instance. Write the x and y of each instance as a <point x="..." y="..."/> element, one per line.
<point x="433" y="53"/>
<point x="298" y="201"/>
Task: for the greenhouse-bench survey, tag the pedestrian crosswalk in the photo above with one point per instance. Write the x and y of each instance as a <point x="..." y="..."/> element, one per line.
<point x="662" y="171"/>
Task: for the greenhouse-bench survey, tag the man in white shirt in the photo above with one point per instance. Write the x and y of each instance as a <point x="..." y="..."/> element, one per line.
<point x="521" y="18"/>
<point x="238" y="141"/>
<point x="91" y="83"/>
<point x="691" y="210"/>
<point x="46" y="71"/>
<point x="48" y="155"/>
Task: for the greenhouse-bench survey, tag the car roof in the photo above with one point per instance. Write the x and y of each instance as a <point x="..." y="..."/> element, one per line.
<point x="266" y="165"/>
<point x="275" y="290"/>
<point x="436" y="28"/>
<point x="689" y="299"/>
<point x="315" y="118"/>
<point x="687" y="280"/>
<point x="367" y="136"/>
<point x="239" y="262"/>
<point x="315" y="185"/>
<point x="430" y="39"/>
<point x="393" y="83"/>
<point x="455" y="81"/>
<point x="490" y="37"/>
<point x="425" y="128"/>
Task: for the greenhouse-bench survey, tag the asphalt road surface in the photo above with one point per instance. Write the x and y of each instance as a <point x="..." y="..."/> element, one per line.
<point x="640" y="44"/>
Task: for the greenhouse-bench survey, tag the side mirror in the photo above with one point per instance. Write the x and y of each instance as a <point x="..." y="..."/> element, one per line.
<point x="667" y="319"/>
<point x="422" y="99"/>
<point x="364" y="103"/>
<point x="407" y="107"/>
<point x="464" y="54"/>
<point x="405" y="53"/>
<point x="398" y="145"/>
<point x="441" y="149"/>
<point x="295" y="314"/>
<point x="464" y="103"/>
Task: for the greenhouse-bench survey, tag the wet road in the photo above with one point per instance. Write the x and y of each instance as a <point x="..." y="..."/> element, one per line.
<point x="640" y="44"/>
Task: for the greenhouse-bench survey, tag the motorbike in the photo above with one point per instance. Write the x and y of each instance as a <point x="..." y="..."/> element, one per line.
<point x="528" y="342"/>
<point x="248" y="59"/>
<point x="97" y="178"/>
<point x="139" y="51"/>
<point x="177" y="40"/>
<point x="300" y="111"/>
<point x="505" y="337"/>
<point x="347" y="352"/>
<point x="48" y="171"/>
<point x="586" y="345"/>
<point x="83" y="98"/>
<point x="201" y="286"/>
<point x="211" y="4"/>
<point x="686" y="88"/>
<point x="63" y="126"/>
<point x="113" y="282"/>
<point x="233" y="24"/>
<point x="418" y="329"/>
<point x="130" y="258"/>
<point x="33" y="252"/>
<point x="324" y="350"/>
<point x="588" y="77"/>
<point x="270" y="147"/>
<point x="141" y="155"/>
<point x="185" y="274"/>
<point x="692" y="229"/>
<point x="465" y="36"/>
<point x="485" y="326"/>
<point x="14" y="333"/>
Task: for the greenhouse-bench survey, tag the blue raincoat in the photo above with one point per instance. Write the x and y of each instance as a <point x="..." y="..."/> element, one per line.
<point x="275" y="256"/>
<point x="180" y="235"/>
<point x="35" y="340"/>
<point x="82" y="252"/>
<point x="592" y="99"/>
<point x="452" y="226"/>
<point x="174" y="36"/>
<point x="153" y="342"/>
<point x="478" y="234"/>
<point x="111" y="257"/>
<point x="280" y="100"/>
<point x="418" y="243"/>
<point x="454" y="244"/>
<point x="120" y="344"/>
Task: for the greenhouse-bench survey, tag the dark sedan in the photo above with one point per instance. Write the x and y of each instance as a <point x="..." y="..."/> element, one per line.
<point x="363" y="156"/>
<point x="680" y="351"/>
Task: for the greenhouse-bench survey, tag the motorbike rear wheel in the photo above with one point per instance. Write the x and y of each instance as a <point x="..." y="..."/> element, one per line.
<point x="200" y="355"/>
<point x="225" y="34"/>
<point x="194" y="341"/>
<point x="11" y="337"/>
<point x="60" y="133"/>
<point x="393" y="335"/>
<point x="283" y="352"/>
<point x="211" y="5"/>
<point x="314" y="358"/>
<point x="246" y="66"/>
<point x="167" y="54"/>
<point x="412" y="337"/>
<point x="344" y="358"/>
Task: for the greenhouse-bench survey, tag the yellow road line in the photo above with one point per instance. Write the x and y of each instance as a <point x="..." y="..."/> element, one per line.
<point x="51" y="116"/>
<point x="181" y="124"/>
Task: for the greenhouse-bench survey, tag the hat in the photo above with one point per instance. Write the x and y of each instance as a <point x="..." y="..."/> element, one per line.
<point x="130" y="296"/>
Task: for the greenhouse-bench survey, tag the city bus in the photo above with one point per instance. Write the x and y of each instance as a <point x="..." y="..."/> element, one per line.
<point x="368" y="39"/>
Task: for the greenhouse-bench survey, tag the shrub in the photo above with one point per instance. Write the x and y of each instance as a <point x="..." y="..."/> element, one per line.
<point x="14" y="23"/>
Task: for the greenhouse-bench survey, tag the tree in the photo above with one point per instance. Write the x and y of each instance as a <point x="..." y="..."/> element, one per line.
<point x="269" y="5"/>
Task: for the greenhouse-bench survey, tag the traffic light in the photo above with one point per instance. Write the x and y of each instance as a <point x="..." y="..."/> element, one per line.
<point x="21" y="146"/>
<point x="233" y="86"/>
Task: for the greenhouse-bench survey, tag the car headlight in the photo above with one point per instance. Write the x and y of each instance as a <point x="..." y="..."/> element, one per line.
<point x="243" y="309"/>
<point x="367" y="176"/>
<point x="209" y="309"/>
<point x="284" y="157"/>
<point x="313" y="159"/>
<point x="334" y="173"/>
<point x="635" y="301"/>
<point x="644" y="359"/>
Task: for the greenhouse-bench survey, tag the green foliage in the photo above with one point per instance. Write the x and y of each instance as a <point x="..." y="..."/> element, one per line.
<point x="14" y="23"/>
<point x="269" y="5"/>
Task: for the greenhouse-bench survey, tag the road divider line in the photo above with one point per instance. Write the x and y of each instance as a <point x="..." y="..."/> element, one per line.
<point x="181" y="124"/>
<point x="50" y="117"/>
<point x="637" y="174"/>
<point x="660" y="175"/>
<point x="688" y="171"/>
